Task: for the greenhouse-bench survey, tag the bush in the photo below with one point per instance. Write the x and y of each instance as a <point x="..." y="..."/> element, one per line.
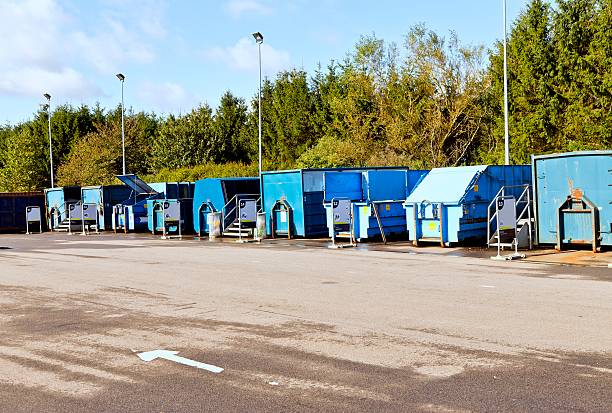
<point x="209" y="170"/>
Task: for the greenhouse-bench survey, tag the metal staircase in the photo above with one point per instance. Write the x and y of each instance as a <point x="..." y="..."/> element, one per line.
<point x="524" y="219"/>
<point x="233" y="226"/>
<point x="238" y="231"/>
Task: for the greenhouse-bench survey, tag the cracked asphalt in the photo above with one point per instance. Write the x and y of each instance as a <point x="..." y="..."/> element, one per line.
<point x="296" y="327"/>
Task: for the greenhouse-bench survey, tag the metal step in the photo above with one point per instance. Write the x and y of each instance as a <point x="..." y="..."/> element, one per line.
<point x="235" y="230"/>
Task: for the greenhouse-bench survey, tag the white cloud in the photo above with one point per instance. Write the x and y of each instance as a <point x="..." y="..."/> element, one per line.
<point x="108" y="49"/>
<point x="237" y="8"/>
<point x="44" y="47"/>
<point x="34" y="81"/>
<point x="167" y="97"/>
<point x="243" y="56"/>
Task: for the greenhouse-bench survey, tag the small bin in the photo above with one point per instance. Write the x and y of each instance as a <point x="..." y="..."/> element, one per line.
<point x="260" y="227"/>
<point x="214" y="225"/>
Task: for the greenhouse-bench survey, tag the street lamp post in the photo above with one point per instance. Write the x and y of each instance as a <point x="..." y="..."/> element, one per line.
<point x="122" y="79"/>
<point x="506" y="133"/>
<point x="48" y="97"/>
<point x="259" y="40"/>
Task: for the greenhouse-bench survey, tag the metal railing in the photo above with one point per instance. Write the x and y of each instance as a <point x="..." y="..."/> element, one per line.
<point x="523" y="205"/>
<point x="229" y="212"/>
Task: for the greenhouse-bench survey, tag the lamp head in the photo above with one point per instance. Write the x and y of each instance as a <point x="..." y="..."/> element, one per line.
<point x="120" y="77"/>
<point x="258" y="37"/>
<point x="47" y="96"/>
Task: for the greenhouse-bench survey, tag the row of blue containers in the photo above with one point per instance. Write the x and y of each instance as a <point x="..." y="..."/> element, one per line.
<point x="572" y="200"/>
<point x="13" y="210"/>
<point x="120" y="207"/>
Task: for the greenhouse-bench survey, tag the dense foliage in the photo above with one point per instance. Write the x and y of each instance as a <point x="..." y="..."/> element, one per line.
<point x="430" y="101"/>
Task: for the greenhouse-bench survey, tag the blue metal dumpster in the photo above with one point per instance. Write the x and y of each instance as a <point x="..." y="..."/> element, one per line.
<point x="132" y="214"/>
<point x="293" y="201"/>
<point x="13" y="209"/>
<point x="573" y="198"/>
<point x="377" y="199"/>
<point x="58" y="201"/>
<point x="106" y="197"/>
<point x="218" y="195"/>
<point x="174" y="207"/>
<point x="170" y="216"/>
<point x="450" y="205"/>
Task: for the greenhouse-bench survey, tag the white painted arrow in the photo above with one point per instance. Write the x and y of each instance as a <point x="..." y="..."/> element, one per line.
<point x="172" y="356"/>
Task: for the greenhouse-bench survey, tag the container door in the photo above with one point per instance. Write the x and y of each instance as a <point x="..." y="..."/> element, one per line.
<point x="429" y="222"/>
<point x="281" y="221"/>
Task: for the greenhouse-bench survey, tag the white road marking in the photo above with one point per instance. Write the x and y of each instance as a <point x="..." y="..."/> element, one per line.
<point x="172" y="356"/>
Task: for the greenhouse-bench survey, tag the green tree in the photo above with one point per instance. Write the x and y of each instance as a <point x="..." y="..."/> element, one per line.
<point x="184" y="140"/>
<point x="26" y="161"/>
<point x="230" y="118"/>
<point x="97" y="157"/>
<point x="582" y="46"/>
<point x="534" y="105"/>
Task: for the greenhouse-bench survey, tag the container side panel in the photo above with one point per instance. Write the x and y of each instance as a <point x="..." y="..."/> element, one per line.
<point x="556" y="176"/>
<point x="346" y="185"/>
<point x="285" y="186"/>
<point x="382" y="185"/>
<point x="414" y="177"/>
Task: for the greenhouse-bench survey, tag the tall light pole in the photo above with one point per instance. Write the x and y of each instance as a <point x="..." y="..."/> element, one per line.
<point x="48" y="97"/>
<point x="259" y="40"/>
<point x="122" y="79"/>
<point x="506" y="134"/>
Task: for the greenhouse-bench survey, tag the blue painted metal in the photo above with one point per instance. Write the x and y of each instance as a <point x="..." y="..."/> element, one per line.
<point x="449" y="205"/>
<point x="588" y="175"/>
<point x="157" y="213"/>
<point x="13" y="209"/>
<point x="374" y="192"/>
<point x="106" y="197"/>
<point x="57" y="200"/>
<point x="169" y="192"/>
<point x="212" y="194"/>
<point x="302" y="190"/>
<point x="133" y="214"/>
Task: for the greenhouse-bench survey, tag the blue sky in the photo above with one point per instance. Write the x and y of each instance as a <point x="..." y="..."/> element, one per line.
<point x="176" y="54"/>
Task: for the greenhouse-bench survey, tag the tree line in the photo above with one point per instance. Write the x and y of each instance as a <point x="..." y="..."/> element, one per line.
<point x="430" y="101"/>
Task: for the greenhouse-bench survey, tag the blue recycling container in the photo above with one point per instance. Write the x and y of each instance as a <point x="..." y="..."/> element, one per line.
<point x="220" y="195"/>
<point x="106" y="197"/>
<point x="13" y="209"/>
<point x="294" y="200"/>
<point x="58" y="201"/>
<point x="133" y="214"/>
<point x="449" y="205"/>
<point x="377" y="199"/>
<point x="573" y="198"/>
<point x="170" y="213"/>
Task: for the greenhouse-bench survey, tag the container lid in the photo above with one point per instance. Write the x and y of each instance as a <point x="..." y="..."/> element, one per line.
<point x="447" y="185"/>
<point x="137" y="184"/>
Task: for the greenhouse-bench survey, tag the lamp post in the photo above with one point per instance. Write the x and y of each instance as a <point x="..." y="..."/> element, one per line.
<point x="48" y="97"/>
<point x="122" y="79"/>
<point x="506" y="133"/>
<point x="259" y="40"/>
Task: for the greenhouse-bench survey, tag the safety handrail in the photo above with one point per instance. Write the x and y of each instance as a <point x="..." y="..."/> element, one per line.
<point x="524" y="197"/>
<point x="228" y="214"/>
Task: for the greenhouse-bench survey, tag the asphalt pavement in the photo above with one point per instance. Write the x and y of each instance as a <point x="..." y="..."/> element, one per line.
<point x="295" y="327"/>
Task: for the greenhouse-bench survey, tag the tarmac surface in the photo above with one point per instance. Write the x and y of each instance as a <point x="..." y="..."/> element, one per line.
<point x="297" y="327"/>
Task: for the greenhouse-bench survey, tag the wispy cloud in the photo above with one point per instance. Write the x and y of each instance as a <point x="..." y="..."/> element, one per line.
<point x="166" y="97"/>
<point x="243" y="56"/>
<point x="237" y="8"/>
<point x="34" y="81"/>
<point x="45" y="48"/>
